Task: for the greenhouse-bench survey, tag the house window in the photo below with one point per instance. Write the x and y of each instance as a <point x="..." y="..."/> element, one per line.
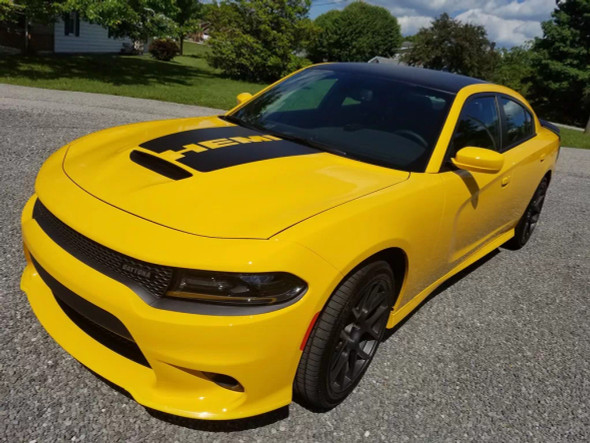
<point x="72" y="24"/>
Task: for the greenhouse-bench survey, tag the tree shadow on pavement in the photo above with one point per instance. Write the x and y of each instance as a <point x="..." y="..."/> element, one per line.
<point x="112" y="69"/>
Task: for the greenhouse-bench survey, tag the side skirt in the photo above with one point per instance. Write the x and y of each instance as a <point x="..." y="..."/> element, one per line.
<point x="401" y="313"/>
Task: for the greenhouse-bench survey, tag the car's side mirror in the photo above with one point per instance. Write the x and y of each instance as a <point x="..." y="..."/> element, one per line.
<point x="478" y="160"/>
<point x="243" y="97"/>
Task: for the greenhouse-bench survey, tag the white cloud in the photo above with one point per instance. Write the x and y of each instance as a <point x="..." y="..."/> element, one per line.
<point x="508" y="22"/>
<point x="430" y="7"/>
<point x="412" y="24"/>
<point x="505" y="32"/>
<point x="537" y="10"/>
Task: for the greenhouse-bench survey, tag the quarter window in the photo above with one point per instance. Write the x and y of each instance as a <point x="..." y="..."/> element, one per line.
<point x="519" y="122"/>
<point x="478" y="126"/>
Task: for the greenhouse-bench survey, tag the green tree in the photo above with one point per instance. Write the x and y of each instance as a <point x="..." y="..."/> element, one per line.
<point x="453" y="46"/>
<point x="137" y="19"/>
<point x="357" y="33"/>
<point x="38" y="11"/>
<point x="257" y="40"/>
<point x="323" y="44"/>
<point x="514" y="69"/>
<point x="7" y="10"/>
<point x="561" y="64"/>
<point x="187" y="19"/>
<point x="409" y="39"/>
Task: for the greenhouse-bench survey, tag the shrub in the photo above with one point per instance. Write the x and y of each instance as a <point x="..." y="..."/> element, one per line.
<point x="164" y="49"/>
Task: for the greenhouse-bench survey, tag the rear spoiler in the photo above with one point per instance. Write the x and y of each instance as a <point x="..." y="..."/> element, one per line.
<point x="550" y="126"/>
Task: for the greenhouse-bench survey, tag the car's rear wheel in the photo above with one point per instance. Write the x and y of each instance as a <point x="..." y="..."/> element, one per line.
<point x="345" y="337"/>
<point x="528" y="222"/>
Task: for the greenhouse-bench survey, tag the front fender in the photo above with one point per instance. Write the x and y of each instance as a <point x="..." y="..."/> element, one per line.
<point x="406" y="216"/>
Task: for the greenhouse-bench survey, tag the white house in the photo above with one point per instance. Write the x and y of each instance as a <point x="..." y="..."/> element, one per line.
<point x="396" y="59"/>
<point x="72" y="35"/>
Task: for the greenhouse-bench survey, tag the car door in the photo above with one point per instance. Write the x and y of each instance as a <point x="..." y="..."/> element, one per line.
<point x="477" y="205"/>
<point x="524" y="150"/>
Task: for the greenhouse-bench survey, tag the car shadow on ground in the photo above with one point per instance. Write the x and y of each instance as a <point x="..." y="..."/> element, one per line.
<point x="443" y="287"/>
<point x="282" y="413"/>
<point x="241" y="424"/>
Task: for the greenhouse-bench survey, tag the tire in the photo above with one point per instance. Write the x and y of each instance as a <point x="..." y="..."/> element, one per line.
<point x="345" y="337"/>
<point x="528" y="222"/>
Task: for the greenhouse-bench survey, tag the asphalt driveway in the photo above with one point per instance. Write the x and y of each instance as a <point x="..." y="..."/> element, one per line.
<point x="500" y="354"/>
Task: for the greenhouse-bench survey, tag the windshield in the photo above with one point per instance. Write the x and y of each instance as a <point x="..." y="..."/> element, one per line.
<point x="365" y="116"/>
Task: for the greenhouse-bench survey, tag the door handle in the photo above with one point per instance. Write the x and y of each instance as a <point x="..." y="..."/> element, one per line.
<point x="543" y="157"/>
<point x="505" y="180"/>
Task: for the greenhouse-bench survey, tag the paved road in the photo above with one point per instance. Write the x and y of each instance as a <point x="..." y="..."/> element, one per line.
<point x="502" y="354"/>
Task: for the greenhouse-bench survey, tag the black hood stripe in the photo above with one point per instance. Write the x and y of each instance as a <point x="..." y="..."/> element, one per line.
<point x="240" y="154"/>
<point x="177" y="141"/>
<point x="207" y="160"/>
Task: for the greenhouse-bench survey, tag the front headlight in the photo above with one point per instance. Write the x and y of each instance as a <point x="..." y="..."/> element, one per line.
<point x="230" y="288"/>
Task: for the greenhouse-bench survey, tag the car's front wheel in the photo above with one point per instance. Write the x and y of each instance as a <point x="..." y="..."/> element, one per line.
<point x="345" y="337"/>
<point x="528" y="222"/>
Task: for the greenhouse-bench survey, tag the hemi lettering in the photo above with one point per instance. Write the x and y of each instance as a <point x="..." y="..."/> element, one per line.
<point x="254" y="139"/>
<point x="194" y="147"/>
<point x="218" y="143"/>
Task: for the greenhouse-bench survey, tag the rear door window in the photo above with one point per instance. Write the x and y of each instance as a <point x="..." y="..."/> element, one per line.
<point x="518" y="123"/>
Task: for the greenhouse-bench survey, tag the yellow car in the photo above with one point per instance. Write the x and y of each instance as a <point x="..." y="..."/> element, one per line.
<point x="216" y="267"/>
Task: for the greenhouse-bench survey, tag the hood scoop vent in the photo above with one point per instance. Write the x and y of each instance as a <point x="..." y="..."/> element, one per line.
<point x="159" y="165"/>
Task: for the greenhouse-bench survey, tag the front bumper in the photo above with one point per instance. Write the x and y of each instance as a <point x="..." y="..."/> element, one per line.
<point x="260" y="351"/>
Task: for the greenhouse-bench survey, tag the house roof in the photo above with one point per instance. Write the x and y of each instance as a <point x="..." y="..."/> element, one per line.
<point x="379" y="59"/>
<point x="443" y="81"/>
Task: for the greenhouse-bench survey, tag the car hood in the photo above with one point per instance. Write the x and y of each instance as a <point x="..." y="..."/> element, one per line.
<point x="207" y="177"/>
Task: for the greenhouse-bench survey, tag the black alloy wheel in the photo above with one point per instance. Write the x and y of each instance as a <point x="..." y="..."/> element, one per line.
<point x="528" y="222"/>
<point x="345" y="337"/>
<point x="360" y="337"/>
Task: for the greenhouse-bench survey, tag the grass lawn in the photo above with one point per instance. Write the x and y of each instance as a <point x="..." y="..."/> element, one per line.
<point x="574" y="139"/>
<point x="186" y="79"/>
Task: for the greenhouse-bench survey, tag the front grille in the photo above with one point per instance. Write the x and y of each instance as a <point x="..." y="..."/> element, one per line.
<point x="97" y="323"/>
<point x="152" y="278"/>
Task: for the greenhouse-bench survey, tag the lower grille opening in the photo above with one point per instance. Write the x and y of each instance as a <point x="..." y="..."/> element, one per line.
<point x="105" y="337"/>
<point x="113" y="335"/>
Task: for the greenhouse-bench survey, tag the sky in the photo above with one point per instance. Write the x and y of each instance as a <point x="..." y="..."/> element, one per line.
<point x="507" y="22"/>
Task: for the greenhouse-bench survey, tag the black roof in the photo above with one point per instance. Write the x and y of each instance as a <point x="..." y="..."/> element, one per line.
<point x="443" y="81"/>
